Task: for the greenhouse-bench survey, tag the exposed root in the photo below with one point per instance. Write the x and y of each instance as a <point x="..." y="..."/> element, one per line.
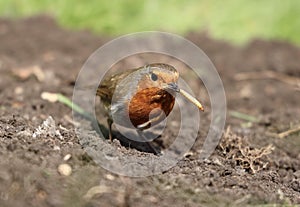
<point x="236" y="148"/>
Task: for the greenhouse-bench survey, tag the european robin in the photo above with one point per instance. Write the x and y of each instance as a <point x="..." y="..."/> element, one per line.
<point x="141" y="97"/>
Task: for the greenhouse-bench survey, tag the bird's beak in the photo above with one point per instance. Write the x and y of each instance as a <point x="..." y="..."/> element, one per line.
<point x="175" y="87"/>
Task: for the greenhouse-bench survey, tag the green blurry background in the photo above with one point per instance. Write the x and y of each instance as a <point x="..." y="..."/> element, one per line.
<point x="233" y="20"/>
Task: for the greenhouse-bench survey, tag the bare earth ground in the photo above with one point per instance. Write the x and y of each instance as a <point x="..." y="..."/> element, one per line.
<point x="244" y="170"/>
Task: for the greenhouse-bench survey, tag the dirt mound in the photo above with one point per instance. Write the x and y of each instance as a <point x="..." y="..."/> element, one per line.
<point x="251" y="165"/>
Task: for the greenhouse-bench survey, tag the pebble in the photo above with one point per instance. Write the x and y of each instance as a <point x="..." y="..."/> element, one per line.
<point x="67" y="157"/>
<point x="110" y="177"/>
<point x="18" y="90"/>
<point x="64" y="169"/>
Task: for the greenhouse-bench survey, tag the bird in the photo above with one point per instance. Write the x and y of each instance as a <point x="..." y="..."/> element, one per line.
<point x="141" y="97"/>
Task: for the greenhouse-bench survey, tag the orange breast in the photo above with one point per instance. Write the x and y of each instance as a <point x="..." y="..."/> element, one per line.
<point x="149" y="100"/>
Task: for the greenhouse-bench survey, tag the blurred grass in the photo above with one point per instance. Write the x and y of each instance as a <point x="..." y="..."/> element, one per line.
<point x="233" y="20"/>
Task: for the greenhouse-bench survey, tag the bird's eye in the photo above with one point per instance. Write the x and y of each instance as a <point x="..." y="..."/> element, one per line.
<point x="154" y="77"/>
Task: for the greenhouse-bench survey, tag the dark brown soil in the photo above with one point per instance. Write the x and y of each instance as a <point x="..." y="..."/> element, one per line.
<point x="28" y="165"/>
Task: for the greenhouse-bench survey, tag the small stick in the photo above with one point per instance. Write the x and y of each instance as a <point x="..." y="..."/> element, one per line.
<point x="268" y="74"/>
<point x="191" y="99"/>
<point x="288" y="132"/>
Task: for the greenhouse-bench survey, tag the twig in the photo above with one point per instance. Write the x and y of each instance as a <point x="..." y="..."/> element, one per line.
<point x="288" y="132"/>
<point x="268" y="74"/>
